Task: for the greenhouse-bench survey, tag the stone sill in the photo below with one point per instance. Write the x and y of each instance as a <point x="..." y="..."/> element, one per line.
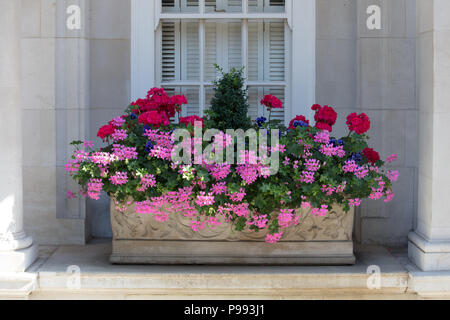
<point x="101" y="280"/>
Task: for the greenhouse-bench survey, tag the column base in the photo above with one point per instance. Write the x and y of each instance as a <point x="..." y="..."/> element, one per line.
<point x="18" y="260"/>
<point x="429" y="255"/>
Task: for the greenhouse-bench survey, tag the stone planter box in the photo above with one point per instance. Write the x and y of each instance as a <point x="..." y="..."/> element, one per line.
<point x="139" y="239"/>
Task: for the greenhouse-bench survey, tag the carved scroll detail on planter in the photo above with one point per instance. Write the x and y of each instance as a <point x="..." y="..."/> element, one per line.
<point x="336" y="226"/>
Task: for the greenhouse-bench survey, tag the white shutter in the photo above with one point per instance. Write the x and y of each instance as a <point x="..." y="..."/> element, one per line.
<point x="223" y="46"/>
<point x="234" y="6"/>
<point x="190" y="51"/>
<point x="210" y="6"/>
<point x="255" y="51"/>
<point x="189" y="6"/>
<point x="180" y="60"/>
<point x="180" y="51"/>
<point x="169" y="5"/>
<point x="223" y="6"/>
<point x="180" y="5"/>
<point x="274" y="4"/>
<point x="266" y="5"/>
<point x="255" y="66"/>
<point x="211" y="45"/>
<point x="266" y="62"/>
<point x="192" y="96"/>
<point x="255" y="5"/>
<point x="170" y="69"/>
<point x="234" y="45"/>
<point x="275" y="46"/>
<point x="254" y="97"/>
<point x="276" y="54"/>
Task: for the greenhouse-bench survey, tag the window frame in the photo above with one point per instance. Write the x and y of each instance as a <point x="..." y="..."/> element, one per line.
<point x="299" y="43"/>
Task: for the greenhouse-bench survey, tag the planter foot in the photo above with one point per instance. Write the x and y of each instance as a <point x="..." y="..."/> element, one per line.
<point x="232" y="253"/>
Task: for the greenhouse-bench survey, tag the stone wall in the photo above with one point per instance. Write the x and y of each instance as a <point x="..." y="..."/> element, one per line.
<point x="359" y="70"/>
<point x="75" y="81"/>
<point x="109" y="83"/>
<point x="49" y="121"/>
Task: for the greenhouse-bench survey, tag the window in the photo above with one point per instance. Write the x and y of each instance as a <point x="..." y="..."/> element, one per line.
<point x="229" y="33"/>
<point x="174" y="44"/>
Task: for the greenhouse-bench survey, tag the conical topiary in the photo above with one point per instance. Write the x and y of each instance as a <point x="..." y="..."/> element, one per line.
<point x="229" y="106"/>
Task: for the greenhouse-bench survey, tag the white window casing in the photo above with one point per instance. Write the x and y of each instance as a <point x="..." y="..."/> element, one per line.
<point x="188" y="36"/>
<point x="143" y="21"/>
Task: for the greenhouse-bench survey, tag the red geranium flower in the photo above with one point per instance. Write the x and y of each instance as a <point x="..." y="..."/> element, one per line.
<point x="297" y="118"/>
<point x="325" y="117"/>
<point x="165" y="121"/>
<point x="371" y="155"/>
<point x="191" y="120"/>
<point x="358" y="123"/>
<point x="156" y="92"/>
<point x="272" y="102"/>
<point x="106" y="131"/>
<point x="152" y="118"/>
<point x="324" y="126"/>
<point x="157" y="100"/>
<point x="178" y="101"/>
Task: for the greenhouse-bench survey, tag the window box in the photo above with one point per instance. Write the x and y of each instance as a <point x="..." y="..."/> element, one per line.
<point x="140" y="239"/>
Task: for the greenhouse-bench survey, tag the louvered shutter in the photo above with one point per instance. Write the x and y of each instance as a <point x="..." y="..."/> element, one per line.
<point x="234" y="30"/>
<point x="277" y="4"/>
<point x="170" y="69"/>
<point x="223" y="46"/>
<point x="234" y="6"/>
<point x="211" y="49"/>
<point x="191" y="64"/>
<point x="180" y="5"/>
<point x="266" y="62"/>
<point x="223" y="5"/>
<point x="266" y="5"/>
<point x="180" y="60"/>
<point x="168" y="5"/>
<point x="189" y="6"/>
<point x="255" y="71"/>
<point x="255" y="5"/>
<point x="190" y="51"/>
<point x="192" y="95"/>
<point x="180" y="51"/>
<point x="210" y="5"/>
<point x="275" y="48"/>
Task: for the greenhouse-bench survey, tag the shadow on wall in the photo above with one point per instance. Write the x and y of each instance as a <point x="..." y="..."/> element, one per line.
<point x="98" y="219"/>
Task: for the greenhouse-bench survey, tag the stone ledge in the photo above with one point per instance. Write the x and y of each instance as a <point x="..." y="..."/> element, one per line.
<point x="17" y="286"/>
<point x="101" y="280"/>
<point x="431" y="283"/>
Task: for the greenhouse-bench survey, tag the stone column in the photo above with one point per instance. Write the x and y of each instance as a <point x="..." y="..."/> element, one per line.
<point x="429" y="244"/>
<point x="17" y="250"/>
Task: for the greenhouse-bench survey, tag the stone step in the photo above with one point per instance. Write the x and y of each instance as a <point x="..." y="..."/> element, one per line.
<point x="84" y="272"/>
<point x="17" y="286"/>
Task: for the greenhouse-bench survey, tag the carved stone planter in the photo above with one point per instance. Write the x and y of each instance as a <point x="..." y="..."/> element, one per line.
<point x="139" y="239"/>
